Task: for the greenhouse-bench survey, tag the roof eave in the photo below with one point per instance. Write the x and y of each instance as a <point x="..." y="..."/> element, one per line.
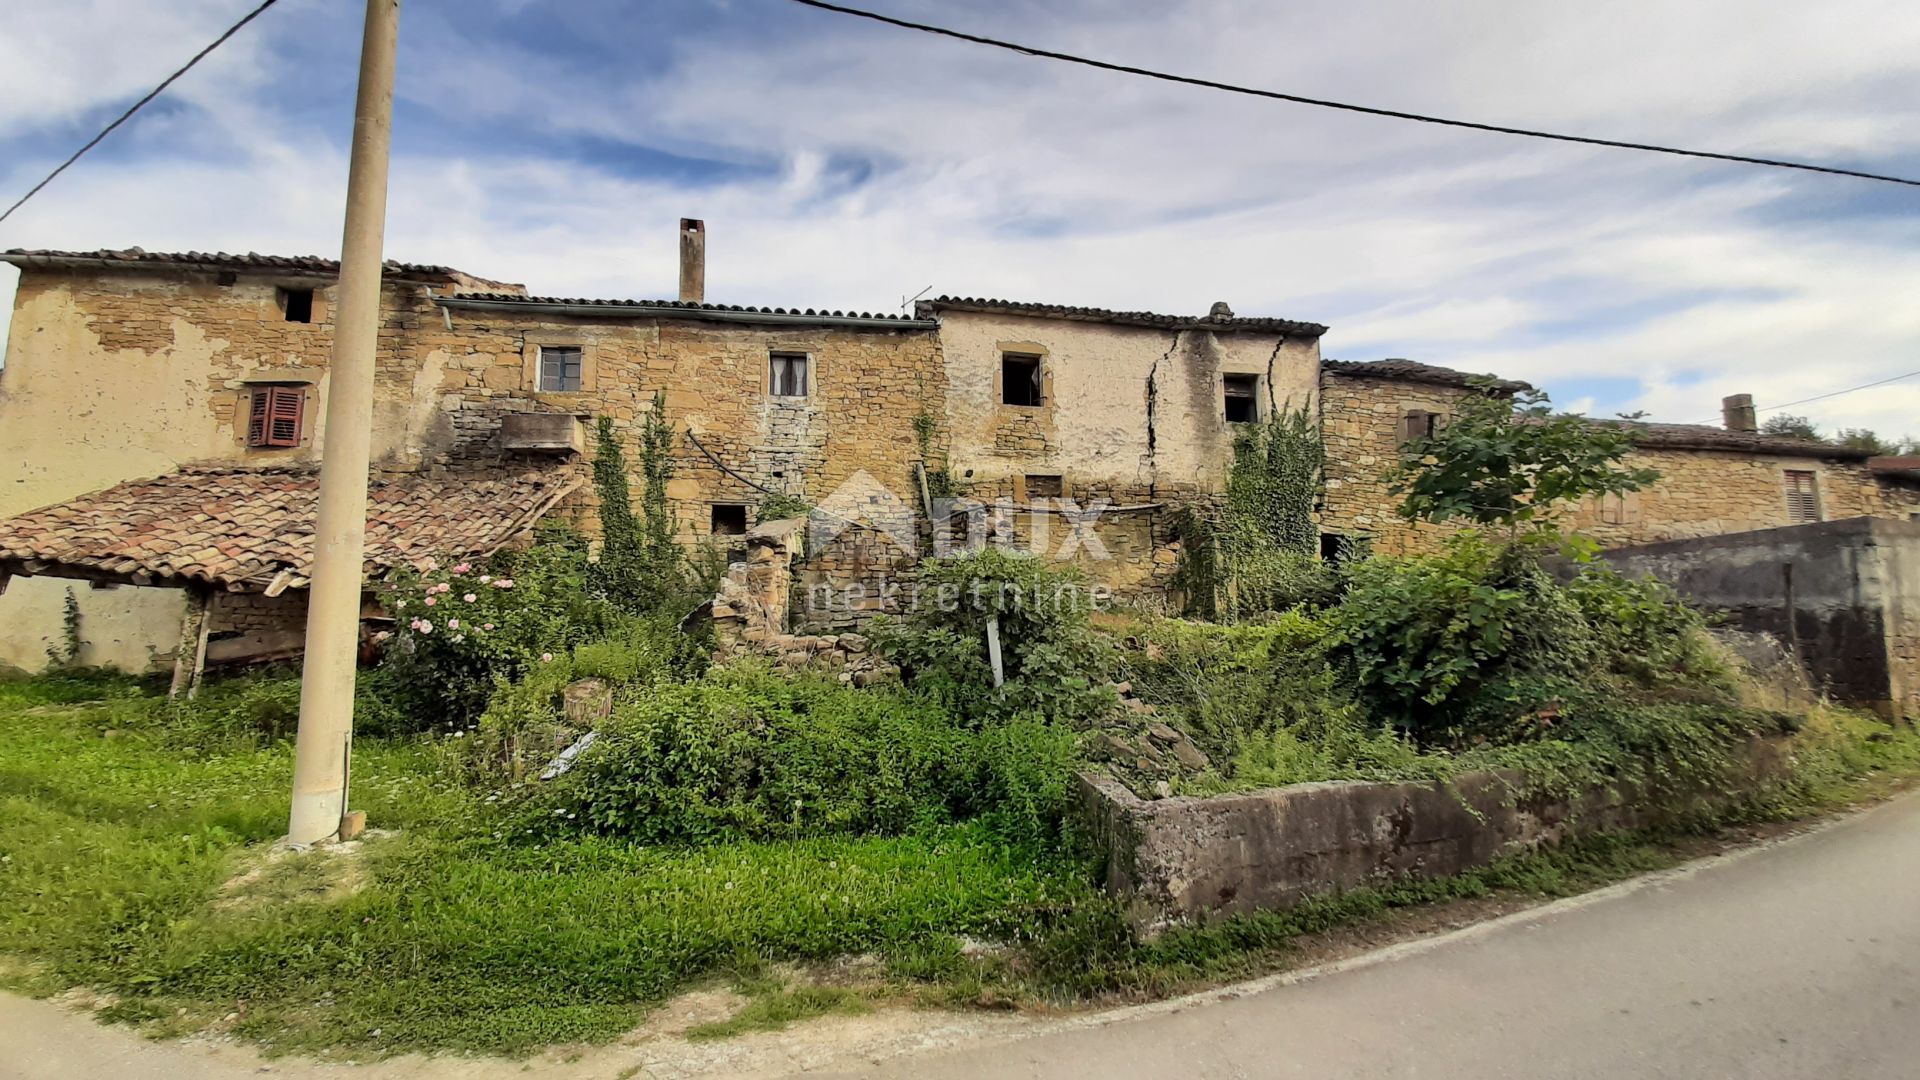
<point x="639" y="310"/>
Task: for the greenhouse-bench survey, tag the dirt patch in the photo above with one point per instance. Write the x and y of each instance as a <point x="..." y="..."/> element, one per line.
<point x="280" y="874"/>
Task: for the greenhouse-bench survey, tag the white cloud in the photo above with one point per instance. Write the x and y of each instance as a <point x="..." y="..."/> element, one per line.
<point x="984" y="173"/>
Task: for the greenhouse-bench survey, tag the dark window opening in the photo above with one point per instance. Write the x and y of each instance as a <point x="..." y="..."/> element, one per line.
<point x="1243" y="398"/>
<point x="1803" y="496"/>
<point x="1418" y="424"/>
<point x="560" y="368"/>
<point x="297" y="304"/>
<point x="1045" y="487"/>
<point x="729" y="519"/>
<point x="787" y="375"/>
<point x="1020" y="380"/>
<point x="275" y="416"/>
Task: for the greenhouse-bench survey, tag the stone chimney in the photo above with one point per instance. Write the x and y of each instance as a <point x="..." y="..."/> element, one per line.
<point x="693" y="261"/>
<point x="1736" y="413"/>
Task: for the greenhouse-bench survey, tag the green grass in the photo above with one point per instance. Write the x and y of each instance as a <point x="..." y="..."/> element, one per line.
<point x="119" y="835"/>
<point x="114" y="845"/>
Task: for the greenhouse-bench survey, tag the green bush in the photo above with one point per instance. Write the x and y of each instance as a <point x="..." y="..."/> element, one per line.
<point x="1055" y="666"/>
<point x="1645" y="629"/>
<point x="1444" y="645"/>
<point x="750" y="753"/>
<point x="466" y="627"/>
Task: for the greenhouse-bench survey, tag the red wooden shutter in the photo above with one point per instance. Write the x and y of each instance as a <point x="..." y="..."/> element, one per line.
<point x="284" y="408"/>
<point x="257" y="419"/>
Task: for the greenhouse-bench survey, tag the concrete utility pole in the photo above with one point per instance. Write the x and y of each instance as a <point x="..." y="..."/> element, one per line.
<point x="333" y="617"/>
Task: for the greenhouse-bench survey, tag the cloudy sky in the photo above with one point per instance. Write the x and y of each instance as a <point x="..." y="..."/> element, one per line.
<point x="844" y="164"/>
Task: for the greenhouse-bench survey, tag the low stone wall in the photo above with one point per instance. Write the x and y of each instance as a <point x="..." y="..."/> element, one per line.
<point x="1181" y="860"/>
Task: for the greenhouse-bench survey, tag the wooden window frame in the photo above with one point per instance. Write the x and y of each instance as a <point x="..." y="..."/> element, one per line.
<point x="778" y="357"/>
<point x="276" y="417"/>
<point x="1252" y="380"/>
<point x="1801" y="504"/>
<point x="1426" y="420"/>
<point x="531" y="366"/>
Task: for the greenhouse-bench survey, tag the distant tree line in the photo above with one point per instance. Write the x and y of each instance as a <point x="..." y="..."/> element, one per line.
<point x="1799" y="427"/>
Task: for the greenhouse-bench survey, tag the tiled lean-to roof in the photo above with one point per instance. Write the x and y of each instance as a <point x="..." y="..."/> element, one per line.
<point x="1225" y="322"/>
<point x="220" y="260"/>
<point x="245" y="529"/>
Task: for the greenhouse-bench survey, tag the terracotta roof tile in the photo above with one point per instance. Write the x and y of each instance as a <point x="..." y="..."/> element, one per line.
<point x="239" y="528"/>
<point x="1228" y="321"/>
<point x="221" y="260"/>
<point x="1414" y="371"/>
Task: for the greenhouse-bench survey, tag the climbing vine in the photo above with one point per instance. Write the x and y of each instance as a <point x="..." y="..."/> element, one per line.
<point x="641" y="566"/>
<point x="1258" y="549"/>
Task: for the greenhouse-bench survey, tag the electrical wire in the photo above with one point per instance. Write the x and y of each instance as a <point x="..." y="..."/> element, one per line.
<point x="137" y="106"/>
<point x="1369" y="110"/>
<point x="1823" y="397"/>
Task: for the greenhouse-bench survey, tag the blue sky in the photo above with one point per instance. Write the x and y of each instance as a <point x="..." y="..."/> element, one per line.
<point x="848" y="165"/>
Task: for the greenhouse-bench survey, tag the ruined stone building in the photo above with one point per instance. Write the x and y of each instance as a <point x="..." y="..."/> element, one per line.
<point x="160" y="421"/>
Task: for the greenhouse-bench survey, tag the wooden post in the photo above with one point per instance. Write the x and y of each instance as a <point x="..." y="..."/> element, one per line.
<point x="191" y="653"/>
<point x="200" y="644"/>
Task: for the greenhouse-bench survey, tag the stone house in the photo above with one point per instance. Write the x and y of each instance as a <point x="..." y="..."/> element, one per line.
<point x="1713" y="480"/>
<point x="129" y="374"/>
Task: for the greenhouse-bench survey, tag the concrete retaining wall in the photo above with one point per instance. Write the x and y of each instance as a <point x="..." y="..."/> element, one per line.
<point x="1843" y="596"/>
<point x="1189" y="859"/>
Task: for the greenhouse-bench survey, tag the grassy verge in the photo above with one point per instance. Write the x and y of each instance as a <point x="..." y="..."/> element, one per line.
<point x="138" y="867"/>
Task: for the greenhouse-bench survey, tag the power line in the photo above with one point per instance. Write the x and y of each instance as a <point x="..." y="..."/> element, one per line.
<point x="151" y="94"/>
<point x="1833" y="394"/>
<point x="1369" y="110"/>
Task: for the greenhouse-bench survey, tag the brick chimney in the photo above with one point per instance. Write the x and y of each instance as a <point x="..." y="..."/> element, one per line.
<point x="1736" y="413"/>
<point x="693" y="261"/>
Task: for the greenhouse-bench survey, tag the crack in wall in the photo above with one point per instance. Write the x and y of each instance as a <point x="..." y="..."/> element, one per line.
<point x="1153" y="394"/>
<point x="1273" y="406"/>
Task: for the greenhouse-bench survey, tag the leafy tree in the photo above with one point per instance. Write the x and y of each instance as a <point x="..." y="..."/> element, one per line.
<point x="1793" y="427"/>
<point x="1868" y="439"/>
<point x="660" y="556"/>
<point x="1508" y="459"/>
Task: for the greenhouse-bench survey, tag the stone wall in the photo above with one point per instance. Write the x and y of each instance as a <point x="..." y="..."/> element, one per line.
<point x="1184" y="860"/>
<point x="1701" y="492"/>
<point x="856" y="425"/>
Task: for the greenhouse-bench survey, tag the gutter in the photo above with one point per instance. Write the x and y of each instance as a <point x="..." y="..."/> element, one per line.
<point x="672" y="311"/>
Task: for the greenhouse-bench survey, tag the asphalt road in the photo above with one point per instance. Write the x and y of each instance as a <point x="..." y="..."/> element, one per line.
<point x="1797" y="960"/>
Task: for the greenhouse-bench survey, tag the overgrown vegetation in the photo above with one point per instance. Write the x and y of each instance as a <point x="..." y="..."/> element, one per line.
<point x="591" y="816"/>
<point x="1260" y="550"/>
<point x="137" y="867"/>
<point x="1506" y="459"/>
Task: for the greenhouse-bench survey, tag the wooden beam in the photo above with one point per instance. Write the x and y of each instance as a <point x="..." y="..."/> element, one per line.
<point x="190" y="658"/>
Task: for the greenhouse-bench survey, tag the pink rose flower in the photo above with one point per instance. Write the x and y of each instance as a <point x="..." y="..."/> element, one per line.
<point x="426" y="627"/>
<point x="469" y="598"/>
<point x="462" y="568"/>
<point x="484" y="578"/>
<point x="546" y="658"/>
<point x="431" y="601"/>
<point x="453" y="624"/>
<point x="486" y="626"/>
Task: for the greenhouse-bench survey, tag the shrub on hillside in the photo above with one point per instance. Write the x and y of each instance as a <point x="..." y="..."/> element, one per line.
<point x="750" y="753"/>
<point x="1055" y="666"/>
